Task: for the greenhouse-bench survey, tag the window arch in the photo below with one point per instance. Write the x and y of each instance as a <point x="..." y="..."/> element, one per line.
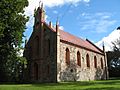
<point x="78" y="58"/>
<point x="67" y="56"/>
<point x="88" y="60"/>
<point x="95" y="62"/>
<point x="101" y="60"/>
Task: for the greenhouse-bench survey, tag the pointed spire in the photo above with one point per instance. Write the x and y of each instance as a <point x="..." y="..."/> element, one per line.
<point x="57" y="22"/>
<point x="35" y="9"/>
<point x="57" y="27"/>
<point x="42" y="12"/>
<point x="39" y="3"/>
<point x="50" y="24"/>
<point x="103" y="47"/>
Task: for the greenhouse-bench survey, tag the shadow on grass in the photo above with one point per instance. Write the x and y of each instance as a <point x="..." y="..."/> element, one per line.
<point x="108" y="82"/>
<point x="82" y="85"/>
<point x="104" y="88"/>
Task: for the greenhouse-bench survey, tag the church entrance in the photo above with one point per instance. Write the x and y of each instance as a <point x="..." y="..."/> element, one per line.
<point x="36" y="71"/>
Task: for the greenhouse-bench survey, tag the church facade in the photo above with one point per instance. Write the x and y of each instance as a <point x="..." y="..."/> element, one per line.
<point x="55" y="55"/>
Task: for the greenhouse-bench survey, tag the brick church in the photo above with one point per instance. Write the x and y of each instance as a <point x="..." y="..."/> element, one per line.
<point x="55" y="55"/>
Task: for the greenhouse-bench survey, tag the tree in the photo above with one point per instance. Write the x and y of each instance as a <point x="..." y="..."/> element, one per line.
<point x="114" y="58"/>
<point x="12" y="25"/>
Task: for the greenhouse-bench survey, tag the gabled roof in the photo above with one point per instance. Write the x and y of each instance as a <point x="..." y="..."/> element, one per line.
<point x="67" y="37"/>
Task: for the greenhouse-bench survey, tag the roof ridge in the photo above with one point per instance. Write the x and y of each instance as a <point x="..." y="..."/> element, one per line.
<point x="73" y="35"/>
<point x="66" y="36"/>
<point x="94" y="45"/>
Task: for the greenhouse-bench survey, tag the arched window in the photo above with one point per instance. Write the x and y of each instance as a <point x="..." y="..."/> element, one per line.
<point x="78" y="58"/>
<point x="47" y="47"/>
<point x="67" y="56"/>
<point x="101" y="60"/>
<point x="95" y="62"/>
<point x="87" y="60"/>
<point x="48" y="69"/>
<point x="36" y="45"/>
<point x="35" y="71"/>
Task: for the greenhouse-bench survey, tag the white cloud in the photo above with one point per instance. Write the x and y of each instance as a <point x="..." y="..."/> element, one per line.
<point x="31" y="22"/>
<point x="61" y="27"/>
<point x="29" y="11"/>
<point x="55" y="12"/>
<point x="98" y="22"/>
<point x="86" y="1"/>
<point x="49" y="3"/>
<point x="52" y="3"/>
<point x="113" y="36"/>
<point x="103" y="25"/>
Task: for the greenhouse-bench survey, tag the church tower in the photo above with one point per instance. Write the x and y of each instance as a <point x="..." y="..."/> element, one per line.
<point x="39" y="15"/>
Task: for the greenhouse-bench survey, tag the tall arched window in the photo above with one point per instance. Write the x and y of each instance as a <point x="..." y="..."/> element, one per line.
<point x="101" y="60"/>
<point x="78" y="58"/>
<point x="67" y="56"/>
<point x="36" y="45"/>
<point x="47" y="47"/>
<point x="87" y="60"/>
<point x="95" y="62"/>
<point x="48" y="69"/>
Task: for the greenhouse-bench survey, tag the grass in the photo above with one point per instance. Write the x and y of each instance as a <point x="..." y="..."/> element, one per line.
<point x="83" y="85"/>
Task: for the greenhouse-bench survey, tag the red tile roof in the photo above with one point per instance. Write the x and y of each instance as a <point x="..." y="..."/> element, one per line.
<point x="65" y="36"/>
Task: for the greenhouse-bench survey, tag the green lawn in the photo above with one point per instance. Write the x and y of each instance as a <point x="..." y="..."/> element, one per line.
<point x="88" y="85"/>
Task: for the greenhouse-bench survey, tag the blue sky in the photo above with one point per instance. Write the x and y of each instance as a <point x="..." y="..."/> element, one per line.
<point x="91" y="19"/>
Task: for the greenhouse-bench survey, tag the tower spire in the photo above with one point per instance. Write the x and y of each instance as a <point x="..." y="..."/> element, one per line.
<point x="39" y="3"/>
<point x="57" y="27"/>
<point x="57" y="22"/>
<point x="42" y="6"/>
<point x="42" y="12"/>
<point x="103" y="47"/>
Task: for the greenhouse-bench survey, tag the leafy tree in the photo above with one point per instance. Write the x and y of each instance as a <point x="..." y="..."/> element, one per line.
<point x="12" y="25"/>
<point x="114" y="58"/>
